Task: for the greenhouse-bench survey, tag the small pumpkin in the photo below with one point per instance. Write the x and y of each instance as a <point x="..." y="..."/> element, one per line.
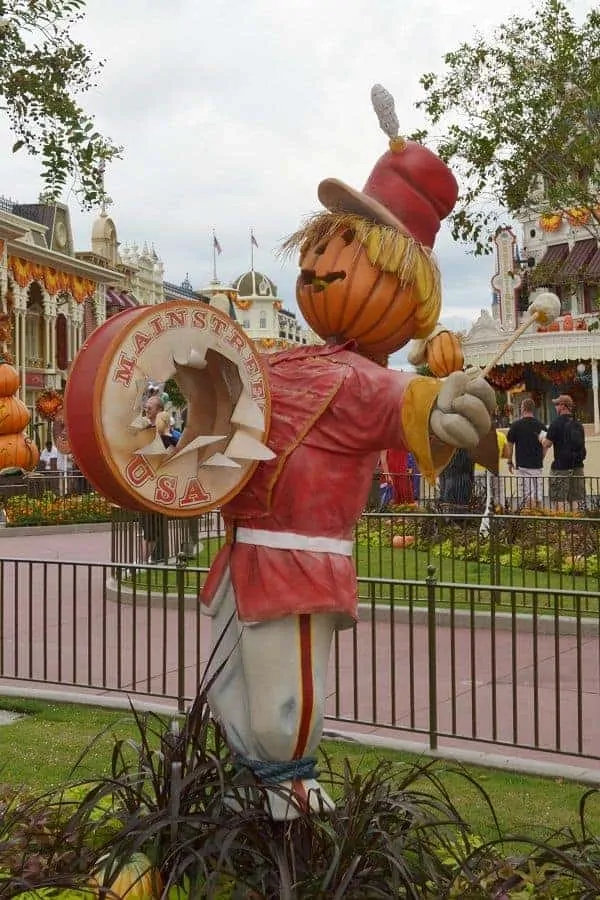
<point x="402" y="541"/>
<point x="137" y="879"/>
<point x="17" y="451"/>
<point x="9" y="379"/>
<point x="364" y="282"/>
<point x="444" y="354"/>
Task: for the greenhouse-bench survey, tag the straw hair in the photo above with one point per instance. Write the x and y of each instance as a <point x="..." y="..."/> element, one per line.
<point x="387" y="249"/>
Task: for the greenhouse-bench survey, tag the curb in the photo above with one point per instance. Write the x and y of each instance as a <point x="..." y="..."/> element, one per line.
<point x="464" y="618"/>
<point x="479" y="758"/>
<point x="40" y="530"/>
<point x="402" y="615"/>
<point x="464" y="757"/>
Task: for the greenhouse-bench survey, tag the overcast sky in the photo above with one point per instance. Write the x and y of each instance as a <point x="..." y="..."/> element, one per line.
<point x="230" y="114"/>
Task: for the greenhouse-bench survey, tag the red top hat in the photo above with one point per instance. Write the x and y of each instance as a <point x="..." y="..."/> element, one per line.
<point x="410" y="188"/>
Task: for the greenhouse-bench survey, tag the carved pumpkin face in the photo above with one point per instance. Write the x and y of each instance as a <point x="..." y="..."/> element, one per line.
<point x="363" y="282"/>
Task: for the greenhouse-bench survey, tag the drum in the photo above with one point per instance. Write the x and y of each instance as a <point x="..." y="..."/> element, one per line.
<point x="123" y="454"/>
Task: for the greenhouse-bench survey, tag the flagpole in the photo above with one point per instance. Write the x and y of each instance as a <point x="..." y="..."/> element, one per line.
<point x="252" y="249"/>
<point x="214" y="249"/>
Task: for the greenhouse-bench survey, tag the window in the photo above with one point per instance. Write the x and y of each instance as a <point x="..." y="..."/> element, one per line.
<point x="34" y="328"/>
<point x="263" y="320"/>
<point x="246" y="323"/>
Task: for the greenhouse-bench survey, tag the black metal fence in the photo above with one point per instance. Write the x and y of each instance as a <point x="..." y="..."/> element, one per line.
<point x="524" y="551"/>
<point x="136" y="536"/>
<point x="509" y="493"/>
<point x="428" y="658"/>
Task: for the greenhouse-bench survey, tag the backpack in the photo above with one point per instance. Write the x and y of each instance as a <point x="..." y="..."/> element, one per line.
<point x="574" y="446"/>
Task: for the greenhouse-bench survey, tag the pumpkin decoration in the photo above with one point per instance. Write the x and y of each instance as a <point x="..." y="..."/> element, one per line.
<point x="402" y="541"/>
<point x="137" y="879"/>
<point x="9" y="379"/>
<point x="14" y="415"/>
<point x="17" y="451"/>
<point x="443" y="354"/>
<point x="365" y="282"/>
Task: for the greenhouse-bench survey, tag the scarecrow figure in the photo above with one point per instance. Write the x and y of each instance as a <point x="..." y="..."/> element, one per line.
<point x="285" y="581"/>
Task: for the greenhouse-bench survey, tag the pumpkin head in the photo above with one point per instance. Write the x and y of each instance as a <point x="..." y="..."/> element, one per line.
<point x="365" y="282"/>
<point x="443" y="354"/>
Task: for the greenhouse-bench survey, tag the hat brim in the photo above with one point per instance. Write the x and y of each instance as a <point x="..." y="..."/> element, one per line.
<point x="338" y="197"/>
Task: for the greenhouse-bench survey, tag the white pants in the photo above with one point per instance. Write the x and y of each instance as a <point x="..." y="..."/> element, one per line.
<point x="269" y="695"/>
<point x="530" y="486"/>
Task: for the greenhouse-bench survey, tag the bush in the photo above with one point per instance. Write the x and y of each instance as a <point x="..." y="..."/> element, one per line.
<point x="177" y="795"/>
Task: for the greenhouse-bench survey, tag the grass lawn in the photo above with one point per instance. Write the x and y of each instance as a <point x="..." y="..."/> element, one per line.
<point x="39" y="751"/>
<point x="387" y="563"/>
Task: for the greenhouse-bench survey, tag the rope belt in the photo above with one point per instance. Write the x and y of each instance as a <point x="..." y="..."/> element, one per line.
<point x="289" y="540"/>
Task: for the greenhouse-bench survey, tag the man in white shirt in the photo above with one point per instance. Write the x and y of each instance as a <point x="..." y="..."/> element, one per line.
<point x="47" y="455"/>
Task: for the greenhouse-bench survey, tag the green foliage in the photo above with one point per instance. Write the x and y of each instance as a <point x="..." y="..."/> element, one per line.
<point x="177" y="795"/>
<point x="175" y="395"/>
<point x="518" y="107"/>
<point x="43" y="71"/>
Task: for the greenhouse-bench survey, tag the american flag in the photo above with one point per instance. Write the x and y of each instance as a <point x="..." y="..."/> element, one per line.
<point x="217" y="245"/>
<point x="253" y="239"/>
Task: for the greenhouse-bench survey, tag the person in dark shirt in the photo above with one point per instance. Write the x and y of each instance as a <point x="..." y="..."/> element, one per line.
<point x="456" y="482"/>
<point x="567" y="485"/>
<point x="524" y="442"/>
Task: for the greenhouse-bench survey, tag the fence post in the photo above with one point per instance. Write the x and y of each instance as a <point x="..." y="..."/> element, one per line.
<point x="180" y="567"/>
<point x="431" y="582"/>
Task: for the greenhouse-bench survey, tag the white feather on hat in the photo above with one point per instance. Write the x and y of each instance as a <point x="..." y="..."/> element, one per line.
<point x="416" y="354"/>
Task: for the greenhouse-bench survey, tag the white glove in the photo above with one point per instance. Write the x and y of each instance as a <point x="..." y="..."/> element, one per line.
<point x="462" y="413"/>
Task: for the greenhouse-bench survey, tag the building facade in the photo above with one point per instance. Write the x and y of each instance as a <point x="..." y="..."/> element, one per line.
<point x="262" y="315"/>
<point x="559" y="253"/>
<point x="50" y="297"/>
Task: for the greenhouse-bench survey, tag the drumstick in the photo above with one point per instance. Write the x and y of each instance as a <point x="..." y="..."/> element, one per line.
<point x="546" y="311"/>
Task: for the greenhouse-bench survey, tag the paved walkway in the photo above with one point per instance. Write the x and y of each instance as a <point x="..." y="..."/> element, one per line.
<point x="72" y="627"/>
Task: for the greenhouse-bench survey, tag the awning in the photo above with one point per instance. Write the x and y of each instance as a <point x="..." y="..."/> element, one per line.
<point x="119" y="299"/>
<point x="593" y="269"/>
<point x="577" y="260"/>
<point x="547" y="270"/>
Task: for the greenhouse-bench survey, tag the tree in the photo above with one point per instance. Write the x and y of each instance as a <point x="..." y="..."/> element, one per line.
<point x="519" y="116"/>
<point x="43" y="71"/>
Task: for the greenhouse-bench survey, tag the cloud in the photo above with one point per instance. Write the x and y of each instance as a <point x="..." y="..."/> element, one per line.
<point x="232" y="112"/>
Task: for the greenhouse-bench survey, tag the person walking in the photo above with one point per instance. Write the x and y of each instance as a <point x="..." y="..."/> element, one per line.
<point x="525" y="455"/>
<point x="567" y="437"/>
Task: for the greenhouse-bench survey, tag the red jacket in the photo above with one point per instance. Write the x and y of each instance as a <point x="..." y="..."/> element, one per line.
<point x="333" y="411"/>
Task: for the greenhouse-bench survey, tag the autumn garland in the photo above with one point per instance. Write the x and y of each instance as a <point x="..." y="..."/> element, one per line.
<point x="576" y="215"/>
<point x="556" y="373"/>
<point x="503" y="378"/>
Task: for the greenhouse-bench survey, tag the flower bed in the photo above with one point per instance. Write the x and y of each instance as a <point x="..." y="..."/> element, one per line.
<point x="50" y="509"/>
<point x="538" y="540"/>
